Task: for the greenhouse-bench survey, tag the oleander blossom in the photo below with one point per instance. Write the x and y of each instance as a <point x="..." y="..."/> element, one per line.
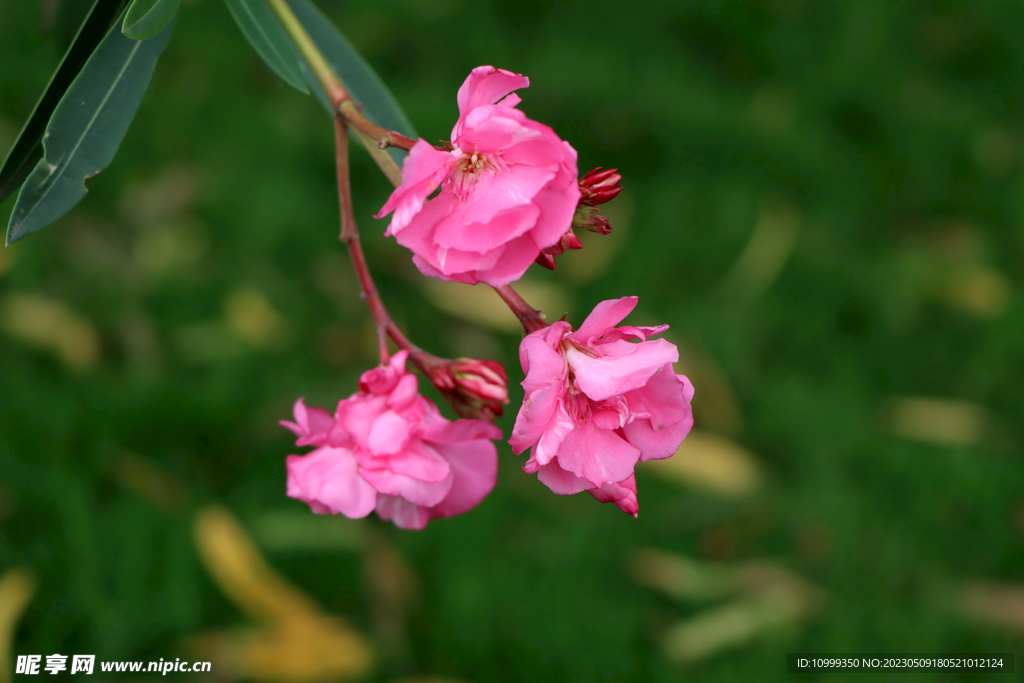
<point x="508" y="189"/>
<point x="388" y="448"/>
<point x="597" y="401"/>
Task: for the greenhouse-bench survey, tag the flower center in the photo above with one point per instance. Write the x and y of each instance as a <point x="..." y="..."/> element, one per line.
<point x="466" y="173"/>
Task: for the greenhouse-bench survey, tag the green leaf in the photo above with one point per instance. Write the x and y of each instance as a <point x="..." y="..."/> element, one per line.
<point x="365" y="86"/>
<point x="28" y="149"/>
<point x="266" y="36"/>
<point x="86" y="129"/>
<point x="146" y="18"/>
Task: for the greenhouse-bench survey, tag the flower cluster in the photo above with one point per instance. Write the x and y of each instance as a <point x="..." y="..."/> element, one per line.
<point x="596" y="403"/>
<point x="387" y="448"/>
<point x="502" y="195"/>
<point x="508" y="189"/>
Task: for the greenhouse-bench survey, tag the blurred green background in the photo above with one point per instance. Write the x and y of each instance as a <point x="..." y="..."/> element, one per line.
<point x="823" y="199"/>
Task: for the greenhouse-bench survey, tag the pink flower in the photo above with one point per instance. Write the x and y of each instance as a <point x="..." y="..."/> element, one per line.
<point x="508" y="189"/>
<point x="388" y="448"/>
<point x="596" y="403"/>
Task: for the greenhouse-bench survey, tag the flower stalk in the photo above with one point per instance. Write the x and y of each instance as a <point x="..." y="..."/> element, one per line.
<point x="530" y="317"/>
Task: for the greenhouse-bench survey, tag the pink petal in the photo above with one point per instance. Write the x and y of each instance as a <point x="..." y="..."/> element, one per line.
<point x="328" y="479"/>
<point x="608" y="419"/>
<point x="623" y="494"/>
<point x="498" y="192"/>
<point x="665" y="398"/>
<point x="551" y="335"/>
<point x="482" y="237"/>
<point x="406" y="393"/>
<point x="355" y="416"/>
<point x="382" y="379"/>
<point x="561" y="481"/>
<point x="541" y="363"/>
<point x="602" y="378"/>
<point x="624" y="332"/>
<point x="656" y="444"/>
<point x="404" y="514"/>
<point x="489" y="129"/>
<point x="533" y="418"/>
<point x="475" y="472"/>
<point x="557" y="206"/>
<point x="545" y="149"/>
<point x="419" y="461"/>
<point x="605" y="315"/>
<point x="397" y="362"/>
<point x="518" y="255"/>
<point x="389" y="434"/>
<point x="430" y="271"/>
<point x="422" y="173"/>
<point x="599" y="456"/>
<point x="419" y="238"/>
<point x="554" y="434"/>
<point x="487" y="85"/>
<point x="311" y="424"/>
<point x="459" y="431"/>
<point x="426" y="493"/>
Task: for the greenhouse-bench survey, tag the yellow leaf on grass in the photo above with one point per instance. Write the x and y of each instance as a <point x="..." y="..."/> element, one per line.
<point x="978" y="290"/>
<point x="148" y="479"/>
<point x="291" y="530"/>
<point x="241" y="571"/>
<point x="716" y="406"/>
<point x="52" y="325"/>
<point x="682" y="577"/>
<point x="766" y="597"/>
<point x="943" y="421"/>
<point x="309" y="649"/>
<point x="767" y="251"/>
<point x="711" y="462"/>
<point x="252" y="317"/>
<point x="296" y="641"/>
<point x="17" y="586"/>
<point x="739" y="622"/>
<point x="999" y="605"/>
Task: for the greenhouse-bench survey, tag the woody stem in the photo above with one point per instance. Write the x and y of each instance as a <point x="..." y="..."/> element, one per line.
<point x="530" y="317"/>
<point x="386" y="327"/>
<point x="350" y="236"/>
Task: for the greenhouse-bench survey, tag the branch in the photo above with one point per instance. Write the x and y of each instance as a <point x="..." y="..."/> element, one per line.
<point x="530" y="317"/>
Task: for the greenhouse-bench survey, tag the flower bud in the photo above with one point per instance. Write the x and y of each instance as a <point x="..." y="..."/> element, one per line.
<point x="547" y="256"/>
<point x="597" y="187"/>
<point x="600" y="186"/>
<point x="474" y="388"/>
<point x="586" y="217"/>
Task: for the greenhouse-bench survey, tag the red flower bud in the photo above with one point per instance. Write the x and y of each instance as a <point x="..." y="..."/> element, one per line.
<point x="547" y="256"/>
<point x="474" y="388"/>
<point x="597" y="187"/>
<point x="587" y="218"/>
<point x="600" y="186"/>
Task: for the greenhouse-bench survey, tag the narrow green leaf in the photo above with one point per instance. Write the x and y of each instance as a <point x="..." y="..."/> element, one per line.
<point x="28" y="148"/>
<point x="266" y="36"/>
<point x="86" y="129"/>
<point x="146" y="18"/>
<point x="366" y="87"/>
